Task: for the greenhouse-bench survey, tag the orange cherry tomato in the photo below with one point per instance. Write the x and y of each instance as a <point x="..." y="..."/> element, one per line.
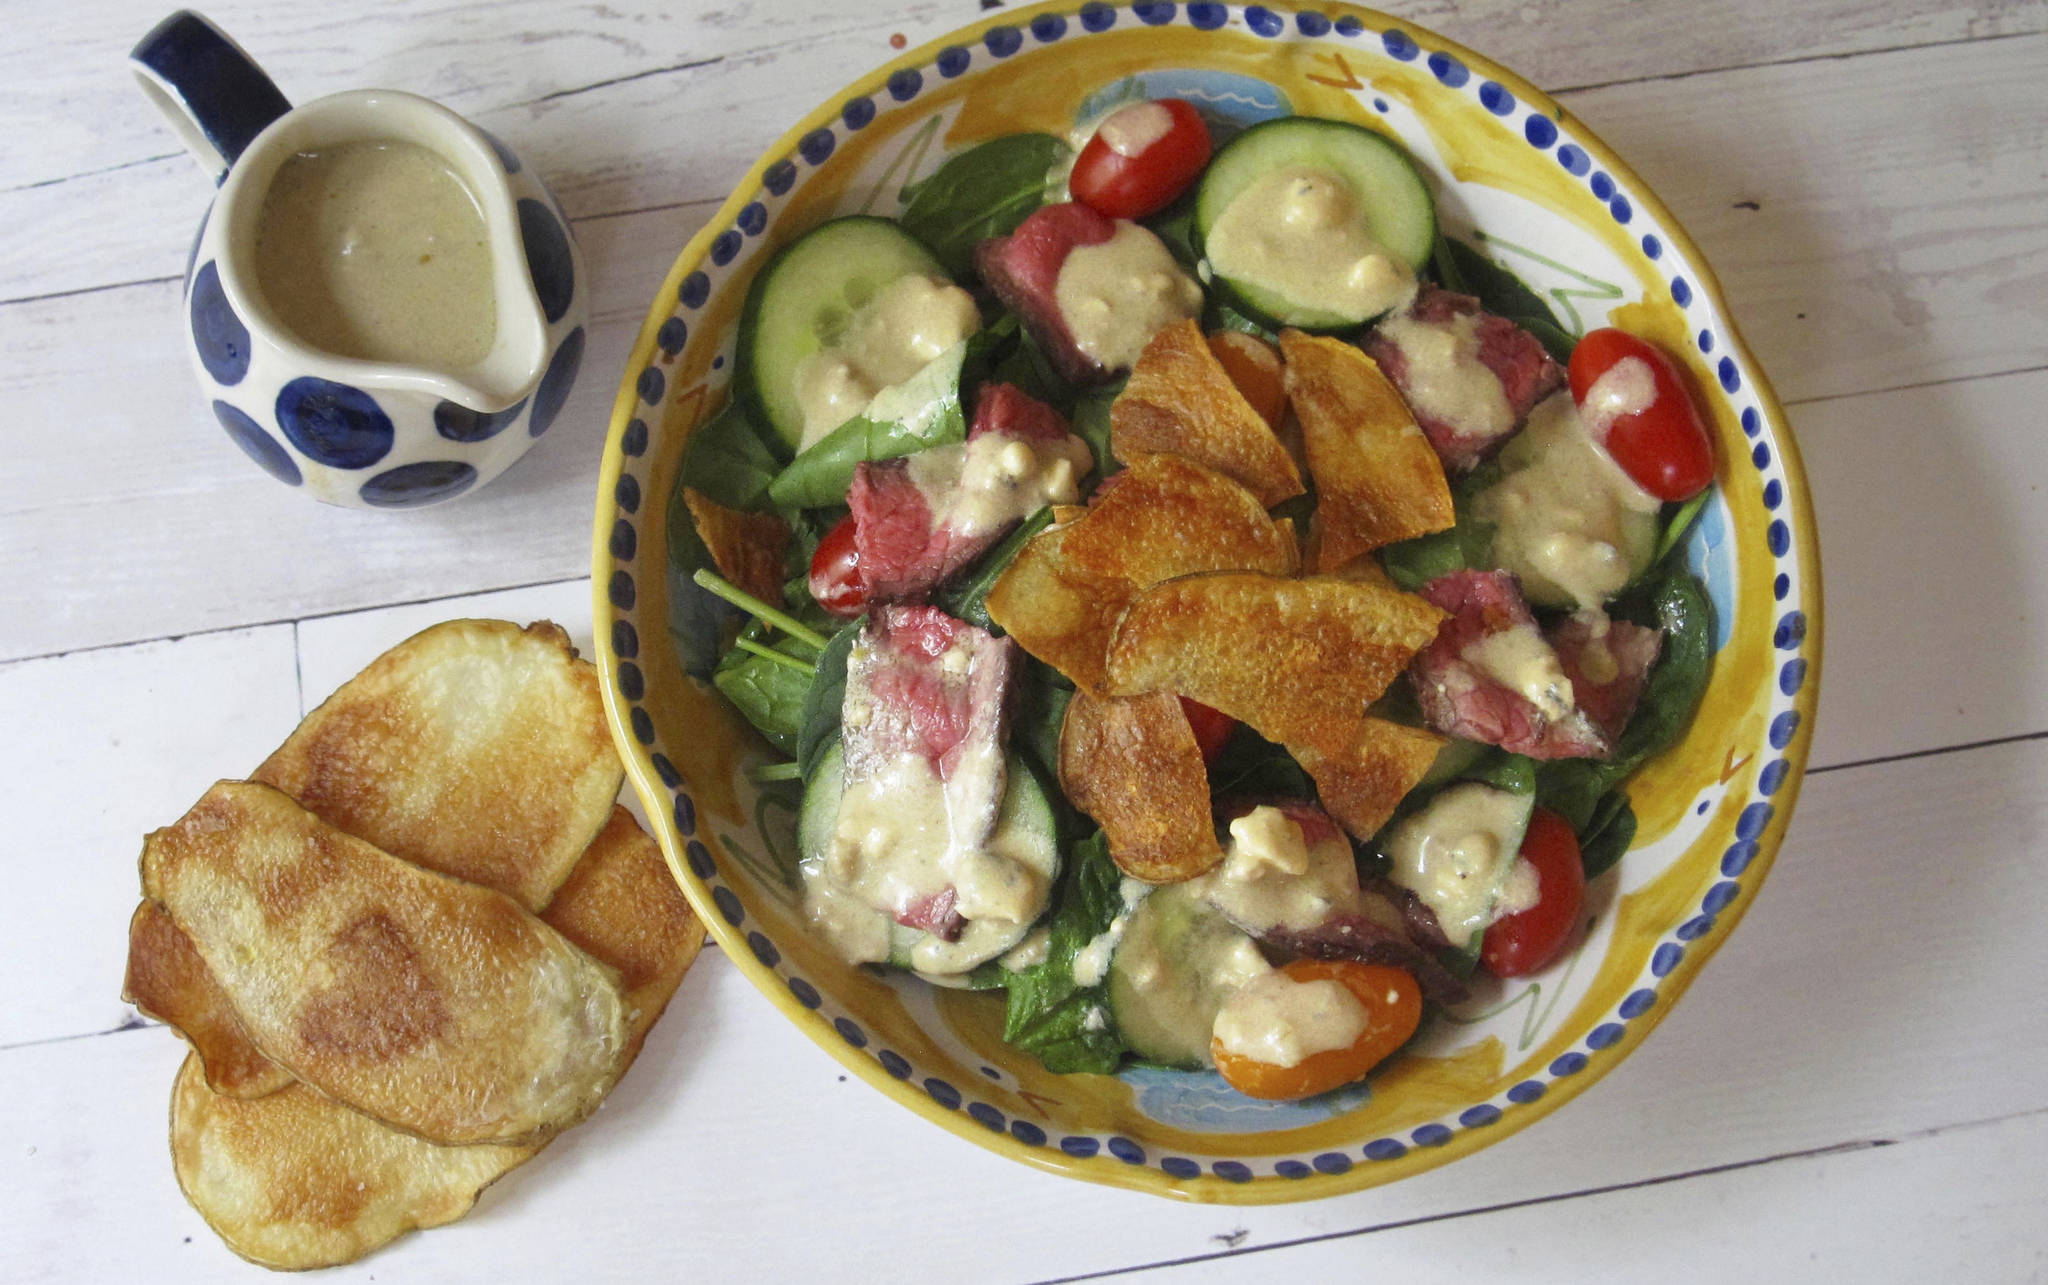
<point x="1147" y="180"/>
<point x="1663" y="447"/>
<point x="1212" y="728"/>
<point x="1254" y="366"/>
<point x="1525" y="943"/>
<point x="1393" y="1009"/>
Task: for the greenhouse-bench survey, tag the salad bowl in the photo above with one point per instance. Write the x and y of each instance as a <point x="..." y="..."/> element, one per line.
<point x="1512" y="172"/>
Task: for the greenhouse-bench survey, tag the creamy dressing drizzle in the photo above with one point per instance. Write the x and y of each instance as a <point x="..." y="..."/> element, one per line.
<point x="1115" y="296"/>
<point x="1456" y="853"/>
<point x="1132" y="129"/>
<point x="1625" y="388"/>
<point x="1446" y="380"/>
<point x="909" y="323"/>
<point x="1520" y="660"/>
<point x="985" y="484"/>
<point x="1091" y="962"/>
<point x="1270" y="877"/>
<point x="1301" y="233"/>
<point x="1277" y="1020"/>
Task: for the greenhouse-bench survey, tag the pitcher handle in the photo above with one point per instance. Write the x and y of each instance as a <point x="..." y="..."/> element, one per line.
<point x="213" y="94"/>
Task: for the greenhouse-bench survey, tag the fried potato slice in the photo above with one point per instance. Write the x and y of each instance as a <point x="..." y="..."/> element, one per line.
<point x="749" y="549"/>
<point x="297" y="1180"/>
<point x="1378" y="480"/>
<point x="1296" y="659"/>
<point x="1181" y="401"/>
<point x="1362" y="781"/>
<point x="1254" y="366"/>
<point x="1132" y="763"/>
<point x="167" y="980"/>
<point x="432" y="753"/>
<point x="440" y="1007"/>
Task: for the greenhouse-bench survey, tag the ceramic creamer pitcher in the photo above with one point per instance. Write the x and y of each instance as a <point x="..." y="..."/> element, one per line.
<point x="384" y="306"/>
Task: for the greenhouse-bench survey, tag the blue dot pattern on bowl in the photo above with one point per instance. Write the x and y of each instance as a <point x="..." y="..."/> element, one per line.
<point x="412" y="486"/>
<point x="458" y="423"/>
<point x="258" y="445"/>
<point x="334" y="424"/>
<point x="218" y="334"/>
<point x="547" y="257"/>
<point x="1540" y="132"/>
<point x="555" y="385"/>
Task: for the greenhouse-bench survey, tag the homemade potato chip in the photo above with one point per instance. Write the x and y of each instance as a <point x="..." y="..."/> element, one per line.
<point x="433" y="753"/>
<point x="749" y="549"/>
<point x="1296" y="659"/>
<point x="167" y="980"/>
<point x="1181" y="401"/>
<point x="438" y="1006"/>
<point x="299" y="1181"/>
<point x="1254" y="366"/>
<point x="1378" y="480"/>
<point x="1361" y="782"/>
<point x="1133" y="764"/>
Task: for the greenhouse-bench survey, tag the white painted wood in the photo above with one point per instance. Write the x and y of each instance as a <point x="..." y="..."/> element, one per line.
<point x="102" y="747"/>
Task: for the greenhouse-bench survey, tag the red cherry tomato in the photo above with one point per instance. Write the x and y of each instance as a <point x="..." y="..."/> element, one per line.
<point x="1147" y="179"/>
<point x="1664" y="447"/>
<point x="1212" y="728"/>
<point x="1524" y="943"/>
<point x="836" y="579"/>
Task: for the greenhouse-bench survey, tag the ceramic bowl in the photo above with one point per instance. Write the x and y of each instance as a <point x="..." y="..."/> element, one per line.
<point x="1553" y="203"/>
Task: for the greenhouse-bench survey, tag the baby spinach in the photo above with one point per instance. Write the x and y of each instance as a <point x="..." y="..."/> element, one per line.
<point x="767" y="683"/>
<point x="1462" y="269"/>
<point x="818" y="720"/>
<point x="699" y="622"/>
<point x="1037" y="715"/>
<point x="1252" y="767"/>
<point x="1090" y="419"/>
<point x="1065" y="1025"/>
<point x="1608" y="834"/>
<point x="985" y="191"/>
<point x="729" y="458"/>
<point x="1469" y="543"/>
<point x="967" y="597"/>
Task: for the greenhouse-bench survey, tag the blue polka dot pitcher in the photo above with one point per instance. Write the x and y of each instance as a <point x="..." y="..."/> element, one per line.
<point x="384" y="306"/>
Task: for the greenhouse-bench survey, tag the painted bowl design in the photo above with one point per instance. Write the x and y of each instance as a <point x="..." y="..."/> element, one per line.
<point x="1543" y="196"/>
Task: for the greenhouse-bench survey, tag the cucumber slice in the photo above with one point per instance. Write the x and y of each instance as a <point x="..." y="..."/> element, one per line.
<point x="803" y="298"/>
<point x="1456" y="853"/>
<point x="1178" y="961"/>
<point x="1394" y="201"/>
<point x="1026" y="832"/>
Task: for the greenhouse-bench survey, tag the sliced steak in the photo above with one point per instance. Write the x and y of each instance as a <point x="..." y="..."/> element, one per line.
<point x="1491" y="677"/>
<point x="1608" y="662"/>
<point x="1023" y="269"/>
<point x="1466" y="430"/>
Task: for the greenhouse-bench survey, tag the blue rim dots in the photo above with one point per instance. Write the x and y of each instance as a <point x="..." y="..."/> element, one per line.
<point x="849" y="1030"/>
<point x="1774" y="493"/>
<point x="1778" y="537"/>
<point x="1079" y="1146"/>
<point x="1496" y="98"/>
<point x="1606" y="1035"/>
<point x="1096" y="16"/>
<point x="905" y="83"/>
<point x="764" y="950"/>
<point x="894" y="1063"/>
<point x="1704" y="807"/>
<point x="1638" y="1003"/>
<point x="1666" y="959"/>
<point x="1568" y="1064"/>
<point x="626" y="643"/>
<point x="729" y="906"/>
<point x="1603" y="186"/>
<point x="1448" y="69"/>
<point x="1312" y="24"/>
<point x="1385" y="1149"/>
<point x="651" y="386"/>
<point x="857" y="112"/>
<point x="1153" y="14"/>
<point x="1681" y="293"/>
<point x="555" y="385"/>
<point x="700" y="861"/>
<point x="942" y="1093"/>
<point x="1291" y="1169"/>
<point x="1706" y="341"/>
<point x="753" y="219"/>
<point x="1731" y="378"/>
<point x="1048" y="27"/>
<point x="626" y="494"/>
<point x="258" y="445"/>
<point x="620" y="590"/>
<point x="1001" y="42"/>
<point x="643" y="726"/>
<point x="685" y="813"/>
<point x="1738" y="856"/>
<point x="695" y="291"/>
<point x="1760" y="455"/>
<point x="726" y="246"/>
<point x="1208" y="17"/>
<point x="1541" y="131"/>
<point x="1752" y="422"/>
<point x="953" y="60"/>
<point x="1754" y="818"/>
<point x="817" y="145"/>
<point x="1783" y="727"/>
<point x="805" y="993"/>
<point x="1720" y="897"/>
<point x="1379" y="105"/>
<point x="1781" y="587"/>
<point x="1348" y="25"/>
<point x="1573" y="159"/>
<point x="633" y="441"/>
<point x="1262" y="21"/>
<point x="718" y="362"/>
<point x="1431" y="1135"/>
<point x="1791" y="631"/>
<point x="632" y="683"/>
<point x="779" y="178"/>
<point x="1027" y="1133"/>
<point x="991" y="1073"/>
<point x="218" y="334"/>
<point x="1480" y="1116"/>
<point x="547" y="258"/>
<point x="1653" y="248"/>
<point x="1399" y="44"/>
<point x="334" y="424"/>
<point x="1179" y="1167"/>
<point x="674" y="333"/>
<point x="1527" y="1091"/>
<point x="1121" y="1147"/>
<point x="1621" y="209"/>
<point x="1695" y="928"/>
<point x="1332" y="1162"/>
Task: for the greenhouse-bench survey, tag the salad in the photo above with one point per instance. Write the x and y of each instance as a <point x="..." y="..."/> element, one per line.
<point x="1191" y="594"/>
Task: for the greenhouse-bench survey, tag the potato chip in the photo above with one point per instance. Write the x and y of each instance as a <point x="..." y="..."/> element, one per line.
<point x="1378" y="480"/>
<point x="1132" y="763"/>
<point x="433" y="753"/>
<point x="1296" y="659"/>
<point x="168" y="981"/>
<point x="1362" y="781"/>
<point x="749" y="549"/>
<point x="435" y="1005"/>
<point x="1254" y="366"/>
<point x="1181" y="401"/>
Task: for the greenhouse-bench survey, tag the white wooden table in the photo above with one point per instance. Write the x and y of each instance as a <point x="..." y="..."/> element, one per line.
<point x="1856" y="1088"/>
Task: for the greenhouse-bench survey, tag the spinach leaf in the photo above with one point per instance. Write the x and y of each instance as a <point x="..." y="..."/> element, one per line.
<point x="1175" y="228"/>
<point x="1067" y="1026"/>
<point x="1090" y="419"/>
<point x="1515" y="773"/>
<point x="1252" y="767"/>
<point x="1219" y="315"/>
<point x="985" y="191"/>
<point x="700" y="622"/>
<point x="1678" y="520"/>
<point x="818" y="719"/>
<point x="729" y="459"/>
<point x="967" y="598"/>
<point x="1026" y="365"/>
<point x="1462" y="268"/>
<point x="1038" y="713"/>
<point x="1608" y="834"/>
<point x="1469" y="543"/>
<point x="769" y="693"/>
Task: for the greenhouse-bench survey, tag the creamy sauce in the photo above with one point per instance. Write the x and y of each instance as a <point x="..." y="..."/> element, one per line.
<point x="1456" y="854"/>
<point x="1133" y="129"/>
<point x="983" y="485"/>
<point x="909" y="324"/>
<point x="1520" y="891"/>
<point x="1274" y="1019"/>
<point x="1446" y="380"/>
<point x="1520" y="660"/>
<point x="376" y="250"/>
<point x="1270" y="877"/>
<point x="1625" y="388"/>
<point x="1091" y="962"/>
<point x="1115" y="296"/>
<point x="1567" y="520"/>
<point x="1301" y="233"/>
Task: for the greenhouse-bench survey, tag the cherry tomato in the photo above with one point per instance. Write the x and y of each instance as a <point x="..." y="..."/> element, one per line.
<point x="836" y="579"/>
<point x="1149" y="177"/>
<point x="1525" y="943"/>
<point x="1664" y="447"/>
<point x="1393" y="1009"/>
<point x="1212" y="728"/>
